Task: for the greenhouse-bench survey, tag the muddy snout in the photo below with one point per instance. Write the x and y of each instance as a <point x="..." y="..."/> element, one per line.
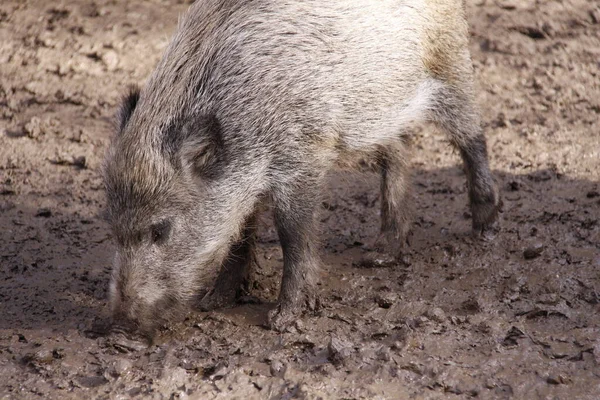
<point x="133" y="321"/>
<point x="127" y="334"/>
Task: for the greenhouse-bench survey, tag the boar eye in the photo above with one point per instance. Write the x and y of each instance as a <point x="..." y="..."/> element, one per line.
<point x="160" y="231"/>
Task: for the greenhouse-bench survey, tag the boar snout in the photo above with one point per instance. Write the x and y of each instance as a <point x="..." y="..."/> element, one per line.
<point x="135" y="327"/>
<point x="138" y="319"/>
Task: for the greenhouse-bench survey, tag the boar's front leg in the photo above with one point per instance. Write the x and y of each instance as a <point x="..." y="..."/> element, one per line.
<point x="235" y="271"/>
<point x="295" y="218"/>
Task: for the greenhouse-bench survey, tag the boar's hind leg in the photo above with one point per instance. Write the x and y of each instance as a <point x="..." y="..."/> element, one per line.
<point x="235" y="271"/>
<point x="295" y="217"/>
<point x="396" y="204"/>
<point x="455" y="113"/>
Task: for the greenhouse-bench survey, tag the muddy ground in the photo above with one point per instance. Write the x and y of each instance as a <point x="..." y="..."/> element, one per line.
<point x="513" y="318"/>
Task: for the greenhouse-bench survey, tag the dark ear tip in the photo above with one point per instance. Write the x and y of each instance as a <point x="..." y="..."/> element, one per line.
<point x="128" y="104"/>
<point x="132" y="90"/>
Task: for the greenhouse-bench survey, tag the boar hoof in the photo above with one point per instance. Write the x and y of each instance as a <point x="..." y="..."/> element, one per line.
<point x="486" y="220"/>
<point x="280" y="318"/>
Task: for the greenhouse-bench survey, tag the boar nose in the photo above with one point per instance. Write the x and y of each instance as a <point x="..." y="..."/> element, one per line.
<point x="128" y="334"/>
<point x="130" y="320"/>
<point x="122" y="322"/>
<point x="124" y="315"/>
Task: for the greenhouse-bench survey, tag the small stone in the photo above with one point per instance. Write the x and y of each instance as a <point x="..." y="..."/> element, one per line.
<point x="43" y="356"/>
<point x="385" y="300"/>
<point x="339" y="350"/>
<point x="398" y="345"/>
<point x="122" y="367"/>
<point x="218" y="371"/>
<point x="187" y="365"/>
<point x="436" y="314"/>
<point x="557" y="379"/>
<point x="110" y="60"/>
<point x="299" y="325"/>
<point x="489" y="383"/>
<point x="278" y="369"/>
<point x="384" y="354"/>
<point x="533" y="251"/>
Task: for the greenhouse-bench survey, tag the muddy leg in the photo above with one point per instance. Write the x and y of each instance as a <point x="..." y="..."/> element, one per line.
<point x="296" y="225"/>
<point x="456" y="114"/>
<point x="233" y="278"/>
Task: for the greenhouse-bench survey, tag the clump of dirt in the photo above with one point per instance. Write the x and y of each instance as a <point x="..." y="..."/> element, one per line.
<point x="511" y="318"/>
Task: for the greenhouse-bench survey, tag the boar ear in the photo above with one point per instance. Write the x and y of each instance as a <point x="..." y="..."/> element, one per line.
<point x="202" y="147"/>
<point x="128" y="104"/>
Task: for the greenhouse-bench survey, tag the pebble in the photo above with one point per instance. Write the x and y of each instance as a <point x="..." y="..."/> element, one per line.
<point x="339" y="350"/>
<point x="278" y="369"/>
<point x="436" y="314"/>
<point x="383" y="354"/>
<point x="533" y="251"/>
<point x="122" y="367"/>
<point x="110" y="60"/>
<point x="557" y="379"/>
<point x="43" y="356"/>
<point x="385" y="300"/>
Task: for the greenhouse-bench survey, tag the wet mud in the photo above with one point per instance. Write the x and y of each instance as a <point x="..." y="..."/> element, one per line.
<point x="511" y="318"/>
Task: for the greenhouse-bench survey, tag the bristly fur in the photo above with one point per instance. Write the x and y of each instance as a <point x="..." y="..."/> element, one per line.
<point x="259" y="99"/>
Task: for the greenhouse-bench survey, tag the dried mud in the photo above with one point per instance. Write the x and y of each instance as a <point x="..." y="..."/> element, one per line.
<point x="516" y="317"/>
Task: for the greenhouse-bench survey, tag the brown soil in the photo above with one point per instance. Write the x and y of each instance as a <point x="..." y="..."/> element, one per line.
<point x="516" y="317"/>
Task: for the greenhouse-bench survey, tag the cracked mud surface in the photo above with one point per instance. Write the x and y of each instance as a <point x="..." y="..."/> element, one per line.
<point x="516" y="317"/>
